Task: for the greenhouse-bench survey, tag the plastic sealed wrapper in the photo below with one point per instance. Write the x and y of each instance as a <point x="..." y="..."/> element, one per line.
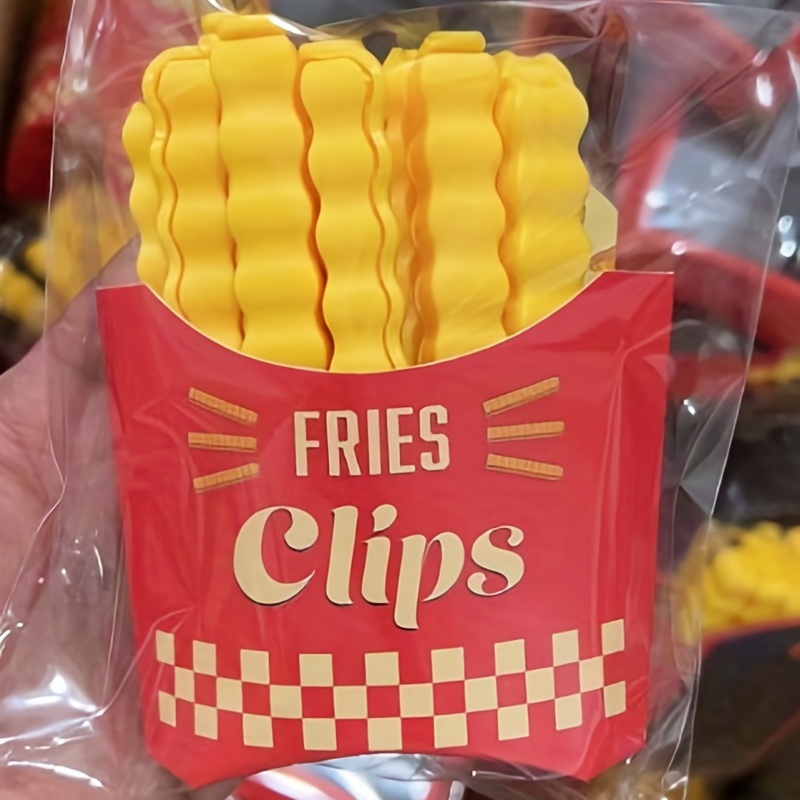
<point x="751" y="603"/>
<point x="377" y="446"/>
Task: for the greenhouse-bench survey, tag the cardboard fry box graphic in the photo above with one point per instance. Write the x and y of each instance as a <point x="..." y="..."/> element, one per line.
<point x="389" y="461"/>
<point x="456" y="559"/>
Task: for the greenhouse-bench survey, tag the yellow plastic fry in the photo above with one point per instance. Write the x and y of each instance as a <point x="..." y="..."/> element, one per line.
<point x="375" y="122"/>
<point x="212" y="22"/>
<point x="754" y="581"/>
<point x="397" y="75"/>
<point x="454" y="160"/>
<point x="21" y="298"/>
<point x="544" y="184"/>
<point x="321" y="210"/>
<point x="199" y="223"/>
<point x="137" y="137"/>
<point x="271" y="211"/>
<point x="167" y="192"/>
<point x="343" y="163"/>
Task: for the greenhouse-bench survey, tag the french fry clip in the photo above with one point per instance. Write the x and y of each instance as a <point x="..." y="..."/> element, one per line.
<point x="361" y="404"/>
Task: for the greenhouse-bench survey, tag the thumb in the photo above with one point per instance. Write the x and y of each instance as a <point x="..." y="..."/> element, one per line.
<point x="67" y="647"/>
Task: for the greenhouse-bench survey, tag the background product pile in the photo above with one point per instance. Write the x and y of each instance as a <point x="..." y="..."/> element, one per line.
<point x="32" y="39"/>
<point x="21" y="291"/>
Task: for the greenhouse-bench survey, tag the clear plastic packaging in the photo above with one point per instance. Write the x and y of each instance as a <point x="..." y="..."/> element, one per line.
<point x="445" y="551"/>
<point x="750" y="594"/>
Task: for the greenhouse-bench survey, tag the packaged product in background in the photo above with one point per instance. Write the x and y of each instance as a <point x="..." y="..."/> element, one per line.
<point x="22" y="289"/>
<point x="750" y="594"/>
<point x="70" y="246"/>
<point x="384" y="441"/>
<point x="28" y="158"/>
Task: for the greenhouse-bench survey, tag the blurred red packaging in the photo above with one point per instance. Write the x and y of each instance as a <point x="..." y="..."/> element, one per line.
<point x="27" y="176"/>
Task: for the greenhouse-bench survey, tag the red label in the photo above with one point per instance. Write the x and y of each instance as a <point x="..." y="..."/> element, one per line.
<point x="456" y="559"/>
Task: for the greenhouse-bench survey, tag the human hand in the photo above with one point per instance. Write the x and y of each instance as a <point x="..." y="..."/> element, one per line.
<point x="69" y="705"/>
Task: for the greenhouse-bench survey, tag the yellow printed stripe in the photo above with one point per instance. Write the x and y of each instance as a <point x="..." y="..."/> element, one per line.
<point x="519" y="433"/>
<point x="230" y="477"/>
<point x="223" y="443"/>
<point x="222" y="408"/>
<point x="524" y="468"/>
<point x="522" y="397"/>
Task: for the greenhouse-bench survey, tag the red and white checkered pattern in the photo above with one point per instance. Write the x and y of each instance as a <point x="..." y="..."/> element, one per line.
<point x="415" y="701"/>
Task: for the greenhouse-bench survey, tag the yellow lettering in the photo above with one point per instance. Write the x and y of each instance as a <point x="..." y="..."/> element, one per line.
<point x="453" y="558"/>
<point x="498" y="560"/>
<point x="343" y="545"/>
<point x="373" y="586"/>
<point x="374" y="441"/>
<point x="302" y="444"/>
<point x="376" y="568"/>
<point x="248" y="561"/>
<point x="407" y="602"/>
<point x="396" y="441"/>
<point x="339" y="447"/>
<point x="426" y="419"/>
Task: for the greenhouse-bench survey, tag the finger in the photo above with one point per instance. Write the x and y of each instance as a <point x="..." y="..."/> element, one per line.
<point x="73" y="343"/>
<point x="38" y="396"/>
<point x="75" y="374"/>
<point x="66" y="665"/>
